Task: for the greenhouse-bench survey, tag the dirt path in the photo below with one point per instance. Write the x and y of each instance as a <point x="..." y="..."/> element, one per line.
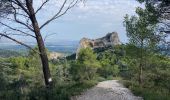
<point x="107" y="90"/>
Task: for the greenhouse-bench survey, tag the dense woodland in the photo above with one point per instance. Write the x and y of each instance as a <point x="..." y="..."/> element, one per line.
<point x="142" y="65"/>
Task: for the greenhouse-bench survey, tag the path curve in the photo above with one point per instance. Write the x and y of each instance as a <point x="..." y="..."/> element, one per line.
<point x="107" y="90"/>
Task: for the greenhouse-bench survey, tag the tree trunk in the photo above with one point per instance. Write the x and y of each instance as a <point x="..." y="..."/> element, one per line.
<point x="140" y="75"/>
<point x="40" y="42"/>
<point x="141" y="65"/>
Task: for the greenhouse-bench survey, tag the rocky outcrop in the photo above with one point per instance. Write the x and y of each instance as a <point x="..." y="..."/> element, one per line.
<point x="111" y="39"/>
<point x="55" y="55"/>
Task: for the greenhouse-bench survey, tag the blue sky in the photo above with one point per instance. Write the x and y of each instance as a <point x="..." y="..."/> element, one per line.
<point x="93" y="19"/>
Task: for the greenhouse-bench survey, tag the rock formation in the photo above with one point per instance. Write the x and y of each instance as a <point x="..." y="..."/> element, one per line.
<point x="55" y="55"/>
<point x="111" y="39"/>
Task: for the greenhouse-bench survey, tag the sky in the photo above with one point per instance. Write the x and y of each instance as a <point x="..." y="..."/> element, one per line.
<point x="92" y="19"/>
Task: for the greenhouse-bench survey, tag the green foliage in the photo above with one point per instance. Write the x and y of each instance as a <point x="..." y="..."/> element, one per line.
<point x="140" y="30"/>
<point x="147" y="93"/>
<point x="20" y="74"/>
<point x="62" y="73"/>
<point x="62" y="91"/>
<point x="157" y="8"/>
<point x="144" y="64"/>
<point x="9" y="53"/>
<point x="86" y="56"/>
<point x="157" y="71"/>
<point x="22" y="79"/>
<point x="143" y="37"/>
<point x="4" y="70"/>
<point x="155" y="75"/>
<point x="111" y="61"/>
<point x="86" y="65"/>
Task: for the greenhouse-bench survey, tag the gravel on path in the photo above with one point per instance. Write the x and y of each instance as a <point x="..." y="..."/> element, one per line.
<point x="107" y="90"/>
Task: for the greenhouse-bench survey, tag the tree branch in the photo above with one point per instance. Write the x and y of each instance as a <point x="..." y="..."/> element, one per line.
<point x="165" y="31"/>
<point x="41" y="6"/>
<point x="21" y="5"/>
<point x="59" y="13"/>
<point x="18" y="21"/>
<point x="51" y="19"/>
<point x="14" y="29"/>
<point x="19" y="42"/>
<point x="49" y="36"/>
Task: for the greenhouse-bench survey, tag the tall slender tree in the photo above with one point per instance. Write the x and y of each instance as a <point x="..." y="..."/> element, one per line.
<point x="161" y="10"/>
<point x="141" y="33"/>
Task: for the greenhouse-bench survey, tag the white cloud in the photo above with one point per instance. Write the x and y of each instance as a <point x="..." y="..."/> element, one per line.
<point x="106" y="25"/>
<point x="105" y="8"/>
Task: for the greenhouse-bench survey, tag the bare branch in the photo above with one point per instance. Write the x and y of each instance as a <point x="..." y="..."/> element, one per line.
<point x="61" y="12"/>
<point x="166" y="24"/>
<point x="41" y="6"/>
<point x="51" y="19"/>
<point x="70" y="6"/>
<point x="48" y="35"/>
<point x="165" y="31"/>
<point x="21" y="5"/>
<point x="20" y="22"/>
<point x="22" y="15"/>
<point x="14" y="29"/>
<point x="14" y="21"/>
<point x="13" y="34"/>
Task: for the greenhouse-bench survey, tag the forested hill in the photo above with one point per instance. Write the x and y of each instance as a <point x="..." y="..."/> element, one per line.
<point x="10" y="53"/>
<point x="14" y="50"/>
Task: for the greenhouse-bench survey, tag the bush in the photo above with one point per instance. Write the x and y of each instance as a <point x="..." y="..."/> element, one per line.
<point x="85" y="67"/>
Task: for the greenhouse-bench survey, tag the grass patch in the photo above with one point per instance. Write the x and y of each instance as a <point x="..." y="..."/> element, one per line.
<point x="147" y="93"/>
<point x="63" y="91"/>
<point x="150" y="94"/>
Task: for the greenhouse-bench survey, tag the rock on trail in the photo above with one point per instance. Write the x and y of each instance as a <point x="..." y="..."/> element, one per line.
<point x="107" y="90"/>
